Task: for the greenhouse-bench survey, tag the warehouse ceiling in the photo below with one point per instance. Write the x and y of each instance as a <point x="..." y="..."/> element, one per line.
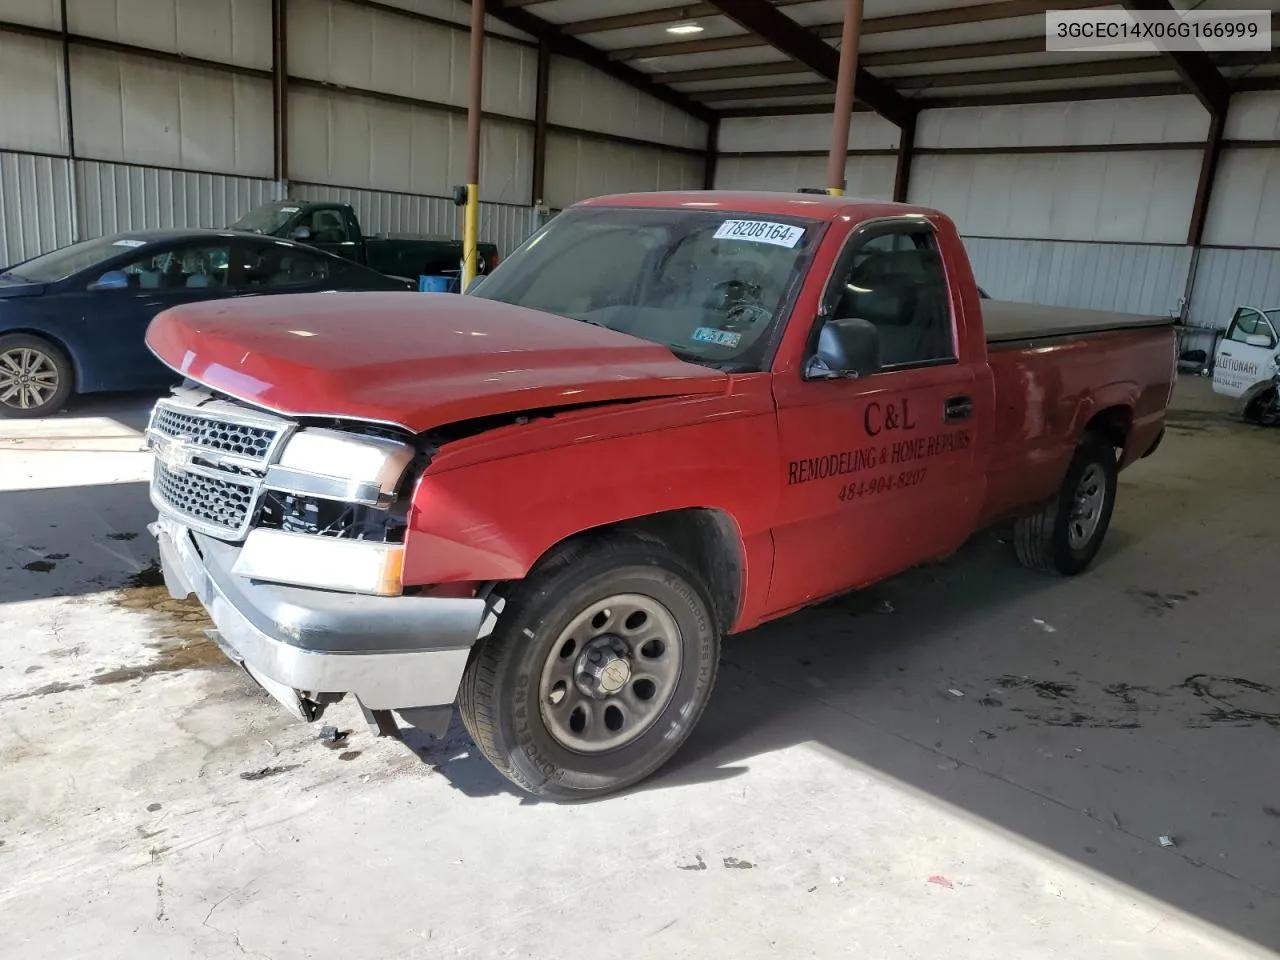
<point x="766" y="57"/>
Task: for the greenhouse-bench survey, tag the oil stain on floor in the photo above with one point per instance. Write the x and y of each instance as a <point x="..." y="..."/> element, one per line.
<point x="182" y="625"/>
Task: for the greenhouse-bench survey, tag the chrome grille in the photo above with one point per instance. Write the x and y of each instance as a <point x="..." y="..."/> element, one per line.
<point x="214" y="433"/>
<point x="211" y="504"/>
<point x="211" y="458"/>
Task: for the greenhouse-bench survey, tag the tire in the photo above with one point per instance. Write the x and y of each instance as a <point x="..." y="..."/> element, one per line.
<point x="508" y="697"/>
<point x="47" y="372"/>
<point x="1257" y="411"/>
<point x="1050" y="541"/>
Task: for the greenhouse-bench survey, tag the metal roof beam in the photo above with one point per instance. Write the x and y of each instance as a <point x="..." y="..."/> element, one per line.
<point x="787" y="36"/>
<point x="1194" y="66"/>
<point x="652" y="18"/>
<point x="1061" y="95"/>
<point x="575" y="49"/>
<point x="954" y="16"/>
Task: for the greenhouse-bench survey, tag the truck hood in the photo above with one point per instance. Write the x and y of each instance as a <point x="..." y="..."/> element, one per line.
<point x="414" y="360"/>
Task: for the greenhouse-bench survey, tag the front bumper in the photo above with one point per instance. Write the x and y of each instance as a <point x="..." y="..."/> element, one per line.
<point x="309" y="647"/>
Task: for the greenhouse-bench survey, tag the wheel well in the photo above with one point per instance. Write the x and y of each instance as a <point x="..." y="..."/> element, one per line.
<point x="66" y="352"/>
<point x="1112" y="424"/>
<point x="706" y="539"/>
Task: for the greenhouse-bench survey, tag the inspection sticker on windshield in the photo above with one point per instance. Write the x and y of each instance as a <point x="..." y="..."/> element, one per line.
<point x="723" y="338"/>
<point x="130" y="243"/>
<point x="760" y="231"/>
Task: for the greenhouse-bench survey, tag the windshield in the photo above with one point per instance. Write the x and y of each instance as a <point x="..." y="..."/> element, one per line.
<point x="62" y="263"/>
<point x="267" y="218"/>
<point x="709" y="285"/>
<point x="1274" y="317"/>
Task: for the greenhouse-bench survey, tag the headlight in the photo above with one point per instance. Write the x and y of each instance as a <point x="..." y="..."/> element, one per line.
<point x="324" y="563"/>
<point x="340" y="466"/>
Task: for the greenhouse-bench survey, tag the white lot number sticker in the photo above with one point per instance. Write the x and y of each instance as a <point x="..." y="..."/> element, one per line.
<point x="130" y="243"/>
<point x="760" y="231"/>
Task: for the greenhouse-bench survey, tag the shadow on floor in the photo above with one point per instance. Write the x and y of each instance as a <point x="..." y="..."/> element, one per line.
<point x="70" y="541"/>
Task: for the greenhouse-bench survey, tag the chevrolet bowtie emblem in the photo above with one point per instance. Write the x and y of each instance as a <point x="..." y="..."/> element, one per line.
<point x="173" y="454"/>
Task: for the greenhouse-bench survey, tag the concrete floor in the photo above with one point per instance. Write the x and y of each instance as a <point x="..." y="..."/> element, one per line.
<point x="839" y="799"/>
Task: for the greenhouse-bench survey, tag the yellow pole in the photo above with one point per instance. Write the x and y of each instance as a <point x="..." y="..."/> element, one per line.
<point x="471" y="236"/>
<point x="471" y="219"/>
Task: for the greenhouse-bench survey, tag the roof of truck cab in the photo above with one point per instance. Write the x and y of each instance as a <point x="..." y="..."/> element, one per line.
<point x="815" y="206"/>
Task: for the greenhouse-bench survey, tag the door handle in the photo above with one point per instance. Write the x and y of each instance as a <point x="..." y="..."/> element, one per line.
<point x="1225" y="353"/>
<point x="957" y="409"/>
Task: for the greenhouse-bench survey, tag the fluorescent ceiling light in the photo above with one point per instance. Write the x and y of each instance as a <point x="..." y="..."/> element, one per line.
<point x="685" y="28"/>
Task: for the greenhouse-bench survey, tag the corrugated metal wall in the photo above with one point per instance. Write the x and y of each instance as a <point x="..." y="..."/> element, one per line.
<point x="865" y="176"/>
<point x="160" y="143"/>
<point x="1129" y="277"/>
<point x="870" y="177"/>
<point x="579" y="167"/>
<point x="1226" y="279"/>
<point x="588" y="100"/>
<point x="114" y="197"/>
<point x="1116" y="197"/>
<point x="35" y="205"/>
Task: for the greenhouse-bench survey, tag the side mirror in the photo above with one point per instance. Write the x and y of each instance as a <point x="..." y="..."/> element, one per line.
<point x="111" y="280"/>
<point x="847" y="348"/>
<point x="1259" y="340"/>
<point x="301" y="233"/>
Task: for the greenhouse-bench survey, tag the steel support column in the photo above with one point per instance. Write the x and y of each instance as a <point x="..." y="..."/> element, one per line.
<point x="712" y="155"/>
<point x="845" y="78"/>
<point x="71" y="127"/>
<point x="280" y="88"/>
<point x="540" y="104"/>
<point x="906" y="152"/>
<point x="471" y="218"/>
<point x="1208" y="171"/>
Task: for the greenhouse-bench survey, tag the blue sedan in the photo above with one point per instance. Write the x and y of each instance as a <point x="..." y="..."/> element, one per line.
<point x="73" y="320"/>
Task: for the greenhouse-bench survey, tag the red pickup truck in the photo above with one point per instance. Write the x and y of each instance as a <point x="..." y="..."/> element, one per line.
<point x="665" y="419"/>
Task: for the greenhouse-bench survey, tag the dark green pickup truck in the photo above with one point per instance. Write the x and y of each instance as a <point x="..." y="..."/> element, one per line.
<point x="333" y="227"/>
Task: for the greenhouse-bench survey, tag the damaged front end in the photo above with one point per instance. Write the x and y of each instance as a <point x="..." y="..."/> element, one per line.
<point x="291" y="533"/>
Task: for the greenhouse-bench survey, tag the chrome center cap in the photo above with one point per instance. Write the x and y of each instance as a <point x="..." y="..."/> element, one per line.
<point x="615" y="676"/>
<point x="604" y="667"/>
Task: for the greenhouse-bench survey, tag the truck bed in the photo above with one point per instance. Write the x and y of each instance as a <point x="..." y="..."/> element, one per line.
<point x="1009" y="322"/>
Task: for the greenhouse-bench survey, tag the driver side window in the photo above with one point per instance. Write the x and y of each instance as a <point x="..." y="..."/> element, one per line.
<point x="894" y="280"/>
<point x="192" y="267"/>
<point x="1250" y="323"/>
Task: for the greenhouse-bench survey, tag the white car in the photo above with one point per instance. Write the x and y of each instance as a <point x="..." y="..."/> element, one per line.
<point x="1248" y="356"/>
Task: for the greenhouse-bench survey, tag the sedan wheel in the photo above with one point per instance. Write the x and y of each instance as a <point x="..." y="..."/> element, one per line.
<point x="34" y="377"/>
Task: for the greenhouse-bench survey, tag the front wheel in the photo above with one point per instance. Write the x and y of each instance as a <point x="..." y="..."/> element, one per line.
<point x="1263" y="410"/>
<point x="600" y="665"/>
<point x="1066" y="535"/>
<point x="35" y="376"/>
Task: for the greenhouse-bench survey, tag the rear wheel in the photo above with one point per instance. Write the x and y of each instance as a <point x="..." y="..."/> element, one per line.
<point x="1066" y="535"/>
<point x="35" y="376"/>
<point x="602" y="662"/>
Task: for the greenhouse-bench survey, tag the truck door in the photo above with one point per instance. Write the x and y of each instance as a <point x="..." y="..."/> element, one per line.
<point x="1244" y="355"/>
<point x="882" y="471"/>
<point x="332" y="230"/>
